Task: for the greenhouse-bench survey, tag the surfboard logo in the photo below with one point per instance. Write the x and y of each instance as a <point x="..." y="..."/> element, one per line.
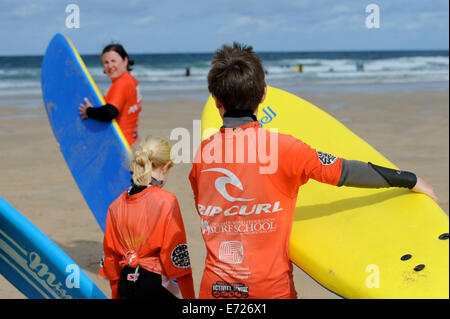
<point x="221" y="183"/>
<point x="30" y="266"/>
<point x="326" y="159"/>
<point x="43" y="272"/>
<point x="268" y="117"/>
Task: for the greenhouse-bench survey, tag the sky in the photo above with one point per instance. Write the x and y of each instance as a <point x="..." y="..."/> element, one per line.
<point x="178" y="26"/>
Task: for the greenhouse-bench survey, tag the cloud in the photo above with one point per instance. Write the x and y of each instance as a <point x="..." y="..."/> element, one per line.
<point x="180" y="25"/>
<point x="251" y="23"/>
<point x="144" y="20"/>
<point x="27" y="10"/>
<point x="301" y="3"/>
<point x="340" y="9"/>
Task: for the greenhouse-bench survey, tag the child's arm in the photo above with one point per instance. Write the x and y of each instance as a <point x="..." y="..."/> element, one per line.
<point x="361" y="174"/>
<point x="114" y="289"/>
<point x="186" y="284"/>
<point x="423" y="187"/>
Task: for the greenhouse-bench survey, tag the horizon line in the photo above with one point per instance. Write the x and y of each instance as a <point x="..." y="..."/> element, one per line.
<point x="258" y="52"/>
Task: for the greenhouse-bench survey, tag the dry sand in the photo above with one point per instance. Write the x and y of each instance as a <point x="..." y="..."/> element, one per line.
<point x="410" y="128"/>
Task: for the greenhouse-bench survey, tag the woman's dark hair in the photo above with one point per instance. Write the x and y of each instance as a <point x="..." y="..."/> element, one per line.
<point x="118" y="48"/>
<point x="237" y="77"/>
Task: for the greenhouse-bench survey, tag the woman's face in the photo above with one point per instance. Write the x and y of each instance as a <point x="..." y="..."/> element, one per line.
<point x="113" y="64"/>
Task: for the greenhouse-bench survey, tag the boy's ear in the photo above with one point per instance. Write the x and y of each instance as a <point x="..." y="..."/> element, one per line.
<point x="218" y="103"/>
<point x="264" y="95"/>
<point x="219" y="106"/>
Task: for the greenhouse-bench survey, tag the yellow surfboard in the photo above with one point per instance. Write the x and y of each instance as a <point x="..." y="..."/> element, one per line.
<point x="358" y="243"/>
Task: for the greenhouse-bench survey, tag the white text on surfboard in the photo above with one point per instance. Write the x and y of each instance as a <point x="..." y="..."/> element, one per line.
<point x="43" y="272"/>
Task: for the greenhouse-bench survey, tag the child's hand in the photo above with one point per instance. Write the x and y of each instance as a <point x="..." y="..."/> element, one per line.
<point x="425" y="188"/>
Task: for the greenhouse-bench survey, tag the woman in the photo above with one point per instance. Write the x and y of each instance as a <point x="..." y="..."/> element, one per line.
<point x="145" y="241"/>
<point x="124" y="100"/>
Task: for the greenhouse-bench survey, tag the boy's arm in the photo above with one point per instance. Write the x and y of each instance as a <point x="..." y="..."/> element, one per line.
<point x="368" y="175"/>
<point x="301" y="162"/>
<point x="424" y="188"/>
<point x="193" y="181"/>
<point x="361" y="174"/>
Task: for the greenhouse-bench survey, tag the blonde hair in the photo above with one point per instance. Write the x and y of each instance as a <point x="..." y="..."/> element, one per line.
<point x="150" y="152"/>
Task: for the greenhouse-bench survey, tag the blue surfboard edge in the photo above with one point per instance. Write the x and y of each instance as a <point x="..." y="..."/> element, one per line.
<point x="35" y="265"/>
<point x="62" y="71"/>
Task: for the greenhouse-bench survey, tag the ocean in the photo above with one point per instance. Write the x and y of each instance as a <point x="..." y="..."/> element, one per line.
<point x="164" y="75"/>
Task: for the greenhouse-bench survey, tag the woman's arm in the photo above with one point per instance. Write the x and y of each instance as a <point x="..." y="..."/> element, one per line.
<point x="103" y="113"/>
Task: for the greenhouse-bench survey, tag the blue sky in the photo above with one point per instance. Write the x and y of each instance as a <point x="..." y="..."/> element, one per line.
<point x="162" y="26"/>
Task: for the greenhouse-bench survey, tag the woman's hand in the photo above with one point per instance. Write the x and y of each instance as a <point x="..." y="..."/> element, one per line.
<point x="83" y="107"/>
<point x="424" y="188"/>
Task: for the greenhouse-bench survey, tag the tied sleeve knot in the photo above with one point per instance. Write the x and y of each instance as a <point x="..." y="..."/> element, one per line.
<point x="131" y="259"/>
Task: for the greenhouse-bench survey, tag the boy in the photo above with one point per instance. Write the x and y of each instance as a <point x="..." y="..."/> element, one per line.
<point x="247" y="252"/>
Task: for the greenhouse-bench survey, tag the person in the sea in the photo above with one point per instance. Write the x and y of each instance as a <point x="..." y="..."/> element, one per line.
<point x="246" y="208"/>
<point x="123" y="100"/>
<point x="144" y="244"/>
<point x="359" y="67"/>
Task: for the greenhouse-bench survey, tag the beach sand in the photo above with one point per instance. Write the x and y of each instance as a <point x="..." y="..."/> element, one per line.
<point x="409" y="127"/>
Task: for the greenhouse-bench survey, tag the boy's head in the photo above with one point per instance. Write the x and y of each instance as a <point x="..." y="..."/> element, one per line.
<point x="236" y="78"/>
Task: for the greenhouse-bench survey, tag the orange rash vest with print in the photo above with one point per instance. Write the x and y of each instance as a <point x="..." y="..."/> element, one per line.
<point x="125" y="95"/>
<point x="150" y="225"/>
<point x="247" y="215"/>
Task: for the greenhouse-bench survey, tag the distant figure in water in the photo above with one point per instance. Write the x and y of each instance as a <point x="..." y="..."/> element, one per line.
<point x="299" y="68"/>
<point x="359" y="67"/>
<point x="188" y="72"/>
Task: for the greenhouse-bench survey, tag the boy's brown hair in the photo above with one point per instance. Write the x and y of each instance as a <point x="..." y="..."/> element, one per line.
<point x="236" y="78"/>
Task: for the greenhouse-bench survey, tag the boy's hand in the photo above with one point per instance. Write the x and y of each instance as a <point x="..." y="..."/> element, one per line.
<point x="425" y="188"/>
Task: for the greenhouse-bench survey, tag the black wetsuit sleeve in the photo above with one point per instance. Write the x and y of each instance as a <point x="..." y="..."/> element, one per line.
<point x="368" y="175"/>
<point x="103" y="113"/>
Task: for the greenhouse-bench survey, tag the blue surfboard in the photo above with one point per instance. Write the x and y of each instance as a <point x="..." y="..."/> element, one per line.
<point x="96" y="152"/>
<point x="35" y="265"/>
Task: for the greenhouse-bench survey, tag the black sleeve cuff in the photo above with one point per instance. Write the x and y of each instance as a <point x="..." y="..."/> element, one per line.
<point x="103" y="113"/>
<point x="396" y="178"/>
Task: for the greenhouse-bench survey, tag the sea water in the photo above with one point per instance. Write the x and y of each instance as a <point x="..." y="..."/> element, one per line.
<point x="163" y="76"/>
